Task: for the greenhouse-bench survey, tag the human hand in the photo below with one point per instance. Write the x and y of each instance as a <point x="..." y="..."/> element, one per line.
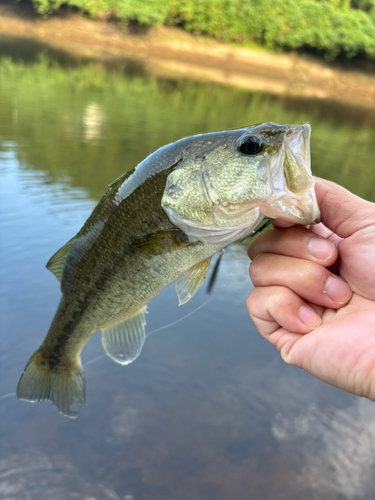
<point x="314" y="295"/>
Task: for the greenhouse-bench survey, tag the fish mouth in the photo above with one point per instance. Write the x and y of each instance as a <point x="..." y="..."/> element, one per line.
<point x="292" y="183"/>
<point x="297" y="173"/>
<point x="297" y="140"/>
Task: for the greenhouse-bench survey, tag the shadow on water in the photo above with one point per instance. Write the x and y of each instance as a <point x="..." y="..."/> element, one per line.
<point x="27" y="51"/>
<point x="208" y="410"/>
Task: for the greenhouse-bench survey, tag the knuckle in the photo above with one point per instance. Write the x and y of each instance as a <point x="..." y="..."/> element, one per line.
<point x="256" y="258"/>
<point x="253" y="298"/>
<point x="257" y="264"/>
<point x="310" y="272"/>
<point x="253" y="269"/>
<point x="251" y="251"/>
<point x="305" y="268"/>
<point x="284" y="353"/>
<point x="250" y="301"/>
<point x="279" y="296"/>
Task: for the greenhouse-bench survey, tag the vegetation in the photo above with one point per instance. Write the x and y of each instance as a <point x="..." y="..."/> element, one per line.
<point x="83" y="126"/>
<point x="331" y="27"/>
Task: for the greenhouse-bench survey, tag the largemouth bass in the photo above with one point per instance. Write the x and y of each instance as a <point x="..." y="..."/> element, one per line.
<point x="162" y="222"/>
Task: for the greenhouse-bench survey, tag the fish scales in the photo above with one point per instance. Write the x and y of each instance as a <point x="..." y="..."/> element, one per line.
<point x="160" y="223"/>
<point x="103" y="288"/>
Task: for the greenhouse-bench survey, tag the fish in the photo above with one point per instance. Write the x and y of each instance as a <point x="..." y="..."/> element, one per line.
<point x="157" y="224"/>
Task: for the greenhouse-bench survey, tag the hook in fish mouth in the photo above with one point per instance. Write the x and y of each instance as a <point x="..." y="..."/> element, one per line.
<point x="318" y="219"/>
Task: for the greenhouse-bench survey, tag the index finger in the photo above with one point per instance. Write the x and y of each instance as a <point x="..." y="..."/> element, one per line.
<point x="281" y="223"/>
<point x="296" y="242"/>
<point x="342" y="212"/>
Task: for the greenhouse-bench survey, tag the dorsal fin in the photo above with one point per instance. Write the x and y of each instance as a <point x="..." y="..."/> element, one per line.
<point x="57" y="261"/>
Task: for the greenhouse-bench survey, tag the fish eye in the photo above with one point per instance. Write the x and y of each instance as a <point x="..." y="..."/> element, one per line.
<point x="250" y="145"/>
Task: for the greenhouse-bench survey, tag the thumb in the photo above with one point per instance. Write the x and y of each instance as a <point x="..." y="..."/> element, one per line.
<point x="342" y="212"/>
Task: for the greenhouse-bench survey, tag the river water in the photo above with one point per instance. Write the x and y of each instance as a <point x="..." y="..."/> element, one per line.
<point x="208" y="411"/>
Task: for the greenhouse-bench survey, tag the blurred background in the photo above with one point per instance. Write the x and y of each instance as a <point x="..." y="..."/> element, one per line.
<point x="208" y="411"/>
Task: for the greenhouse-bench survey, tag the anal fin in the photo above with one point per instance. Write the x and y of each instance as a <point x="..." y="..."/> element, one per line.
<point x="57" y="262"/>
<point x="123" y="341"/>
<point x="188" y="283"/>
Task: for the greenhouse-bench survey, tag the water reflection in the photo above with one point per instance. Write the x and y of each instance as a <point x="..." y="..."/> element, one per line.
<point x="93" y="119"/>
<point x="208" y="410"/>
<point x="342" y="441"/>
<point x="45" y="107"/>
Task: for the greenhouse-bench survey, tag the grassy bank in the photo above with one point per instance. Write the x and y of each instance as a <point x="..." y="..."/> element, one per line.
<point x="330" y="27"/>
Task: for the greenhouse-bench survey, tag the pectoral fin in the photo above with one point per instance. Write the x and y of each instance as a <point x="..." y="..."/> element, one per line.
<point x="188" y="283"/>
<point x="123" y="341"/>
<point x="162" y="242"/>
<point x="57" y="262"/>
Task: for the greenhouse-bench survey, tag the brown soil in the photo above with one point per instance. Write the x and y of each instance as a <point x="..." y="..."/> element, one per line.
<point x="174" y="52"/>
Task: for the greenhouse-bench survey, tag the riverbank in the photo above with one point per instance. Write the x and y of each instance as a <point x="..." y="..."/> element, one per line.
<point x="173" y="52"/>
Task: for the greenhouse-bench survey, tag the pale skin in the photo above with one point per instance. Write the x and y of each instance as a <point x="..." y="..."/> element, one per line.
<point x="314" y="295"/>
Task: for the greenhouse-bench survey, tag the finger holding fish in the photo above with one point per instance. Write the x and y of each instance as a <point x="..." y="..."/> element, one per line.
<point x="276" y="307"/>
<point x="318" y="229"/>
<point x="309" y="280"/>
<point x="295" y="241"/>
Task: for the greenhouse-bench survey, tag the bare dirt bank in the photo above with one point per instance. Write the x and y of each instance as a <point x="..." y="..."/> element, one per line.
<point x="174" y="52"/>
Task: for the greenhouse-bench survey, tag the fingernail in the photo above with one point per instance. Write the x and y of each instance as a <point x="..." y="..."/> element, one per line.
<point x="309" y="317"/>
<point x="320" y="248"/>
<point x="338" y="290"/>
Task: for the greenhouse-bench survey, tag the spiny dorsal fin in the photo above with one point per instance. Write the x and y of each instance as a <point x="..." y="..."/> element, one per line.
<point x="188" y="283"/>
<point x="123" y="341"/>
<point x="57" y="261"/>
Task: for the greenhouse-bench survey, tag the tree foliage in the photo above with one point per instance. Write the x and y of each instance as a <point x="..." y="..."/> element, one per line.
<point x="332" y="27"/>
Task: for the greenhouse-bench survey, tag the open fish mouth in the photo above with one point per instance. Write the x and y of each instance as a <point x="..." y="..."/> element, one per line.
<point x="297" y="170"/>
<point x="297" y="139"/>
<point x="296" y="159"/>
<point x="291" y="181"/>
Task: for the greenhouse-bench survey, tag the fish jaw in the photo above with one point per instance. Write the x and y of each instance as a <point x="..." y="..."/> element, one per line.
<point x="293" y="196"/>
<point x="303" y="210"/>
<point x="212" y="234"/>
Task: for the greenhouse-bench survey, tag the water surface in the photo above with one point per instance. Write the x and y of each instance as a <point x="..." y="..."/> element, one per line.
<point x="208" y="411"/>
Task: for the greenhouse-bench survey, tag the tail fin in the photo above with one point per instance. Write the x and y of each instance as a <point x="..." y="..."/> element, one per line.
<point x="65" y="389"/>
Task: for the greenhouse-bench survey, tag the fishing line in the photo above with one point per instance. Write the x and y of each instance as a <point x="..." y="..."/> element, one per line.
<point x="257" y="231"/>
<point x="7" y="395"/>
<point x="154" y="331"/>
<point x="93" y="360"/>
<point x="179" y="320"/>
<point x="215" y="271"/>
<point x="148" y="334"/>
<point x="209" y="289"/>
